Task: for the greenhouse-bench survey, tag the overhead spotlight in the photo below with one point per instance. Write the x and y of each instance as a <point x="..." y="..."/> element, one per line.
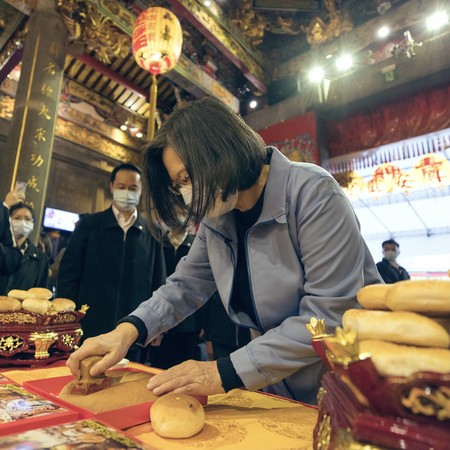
<point x="383" y="31"/>
<point x="253" y="104"/>
<point x="437" y="20"/>
<point x="315" y="75"/>
<point x="139" y="135"/>
<point x="344" y="62"/>
<point x="329" y="56"/>
<point x="123" y="127"/>
<point x="207" y="3"/>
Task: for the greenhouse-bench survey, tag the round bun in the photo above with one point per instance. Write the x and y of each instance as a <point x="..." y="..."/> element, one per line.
<point x="177" y="416"/>
<point x="396" y="326"/>
<point x="373" y="296"/>
<point x="37" y="305"/>
<point x="423" y="296"/>
<point x="9" y="304"/>
<point x="63" y="304"/>
<point x="392" y="360"/>
<point x="19" y="294"/>
<point x="38" y="292"/>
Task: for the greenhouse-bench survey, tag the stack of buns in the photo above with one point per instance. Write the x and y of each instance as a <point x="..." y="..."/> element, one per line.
<point x="405" y="327"/>
<point x="36" y="300"/>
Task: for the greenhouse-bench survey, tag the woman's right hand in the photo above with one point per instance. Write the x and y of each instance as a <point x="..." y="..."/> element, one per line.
<point x="113" y="346"/>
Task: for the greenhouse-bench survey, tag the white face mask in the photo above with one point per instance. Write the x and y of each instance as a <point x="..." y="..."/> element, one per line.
<point x="126" y="200"/>
<point x="222" y="207"/>
<point x="390" y="255"/>
<point x="186" y="193"/>
<point x="22" y="228"/>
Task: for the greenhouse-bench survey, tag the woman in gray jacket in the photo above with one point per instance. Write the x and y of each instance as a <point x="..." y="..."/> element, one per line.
<point x="278" y="241"/>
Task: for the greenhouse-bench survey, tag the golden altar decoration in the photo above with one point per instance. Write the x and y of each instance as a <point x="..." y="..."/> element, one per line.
<point x="31" y="339"/>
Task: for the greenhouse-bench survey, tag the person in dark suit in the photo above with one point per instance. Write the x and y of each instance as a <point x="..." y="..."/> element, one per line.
<point x="389" y="269"/>
<point x="112" y="263"/>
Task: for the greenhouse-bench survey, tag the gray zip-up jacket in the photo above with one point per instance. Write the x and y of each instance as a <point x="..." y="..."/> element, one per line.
<point x="306" y="258"/>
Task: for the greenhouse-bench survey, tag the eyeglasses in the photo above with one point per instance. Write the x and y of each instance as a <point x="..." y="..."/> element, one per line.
<point x="182" y="180"/>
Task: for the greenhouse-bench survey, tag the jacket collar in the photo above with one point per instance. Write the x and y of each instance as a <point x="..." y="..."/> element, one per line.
<point x="274" y="207"/>
<point x="31" y="250"/>
<point x="110" y="221"/>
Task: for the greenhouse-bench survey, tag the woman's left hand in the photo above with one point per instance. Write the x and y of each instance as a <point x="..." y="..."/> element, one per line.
<point x="190" y="377"/>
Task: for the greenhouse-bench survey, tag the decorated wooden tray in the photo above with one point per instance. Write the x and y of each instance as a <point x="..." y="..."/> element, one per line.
<point x="358" y="406"/>
<point x="31" y="339"/>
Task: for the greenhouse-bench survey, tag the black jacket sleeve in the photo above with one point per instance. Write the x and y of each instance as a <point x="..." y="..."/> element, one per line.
<point x="42" y="275"/>
<point x="10" y="255"/>
<point x="72" y="262"/>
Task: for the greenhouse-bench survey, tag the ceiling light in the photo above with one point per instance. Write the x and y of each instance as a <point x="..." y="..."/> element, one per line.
<point x="253" y="104"/>
<point x="437" y="20"/>
<point x="139" y="135"/>
<point x="315" y="75"/>
<point x="207" y="3"/>
<point x="123" y="127"/>
<point x="383" y="31"/>
<point x="344" y="62"/>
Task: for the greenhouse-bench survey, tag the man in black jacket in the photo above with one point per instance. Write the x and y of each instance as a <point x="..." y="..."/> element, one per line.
<point x="10" y="255"/>
<point x="389" y="269"/>
<point x="112" y="263"/>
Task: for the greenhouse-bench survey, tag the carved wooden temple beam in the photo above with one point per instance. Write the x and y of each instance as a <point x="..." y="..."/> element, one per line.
<point x="109" y="73"/>
<point x="219" y="30"/>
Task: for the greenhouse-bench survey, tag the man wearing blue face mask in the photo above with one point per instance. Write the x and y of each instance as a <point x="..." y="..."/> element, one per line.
<point x="112" y="263"/>
<point x="389" y="269"/>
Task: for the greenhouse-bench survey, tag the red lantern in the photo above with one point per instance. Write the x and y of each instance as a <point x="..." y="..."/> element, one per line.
<point x="157" y="41"/>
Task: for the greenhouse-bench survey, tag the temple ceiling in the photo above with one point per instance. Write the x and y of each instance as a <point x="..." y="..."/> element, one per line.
<point x="236" y="49"/>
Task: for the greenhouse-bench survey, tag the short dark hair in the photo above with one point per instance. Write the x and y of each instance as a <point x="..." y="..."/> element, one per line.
<point x="20" y="206"/>
<point x="390" y="241"/>
<point x="220" y="152"/>
<point x="124" y="166"/>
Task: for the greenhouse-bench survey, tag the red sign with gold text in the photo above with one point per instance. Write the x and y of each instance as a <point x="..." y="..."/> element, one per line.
<point x="296" y="138"/>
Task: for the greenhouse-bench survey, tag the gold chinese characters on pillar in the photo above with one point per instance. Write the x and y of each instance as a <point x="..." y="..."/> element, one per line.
<point x="157" y="42"/>
<point x="31" y="137"/>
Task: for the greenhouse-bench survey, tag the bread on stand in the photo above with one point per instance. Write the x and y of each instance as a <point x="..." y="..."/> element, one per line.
<point x="389" y="386"/>
<point x="19" y="294"/>
<point x="63" y="304"/>
<point x="39" y="292"/>
<point x="393" y="360"/>
<point x="402" y="327"/>
<point x="9" y="304"/>
<point x="430" y="297"/>
<point x="38" y="305"/>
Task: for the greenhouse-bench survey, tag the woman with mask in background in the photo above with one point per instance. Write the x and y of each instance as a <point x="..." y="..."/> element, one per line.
<point x="33" y="269"/>
<point x="278" y="241"/>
